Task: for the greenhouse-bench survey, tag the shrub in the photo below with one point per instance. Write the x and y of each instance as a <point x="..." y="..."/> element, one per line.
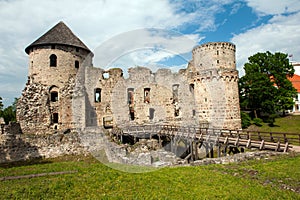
<point x="246" y="120"/>
<point x="257" y="121"/>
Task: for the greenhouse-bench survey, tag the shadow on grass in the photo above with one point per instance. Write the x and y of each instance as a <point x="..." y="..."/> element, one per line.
<point x="273" y="125"/>
<point x="33" y="161"/>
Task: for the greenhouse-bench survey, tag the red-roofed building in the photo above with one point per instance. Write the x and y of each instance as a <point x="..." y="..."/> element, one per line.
<point x="296" y="83"/>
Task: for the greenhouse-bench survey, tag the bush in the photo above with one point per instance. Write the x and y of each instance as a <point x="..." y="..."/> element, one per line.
<point x="257" y="121"/>
<point x="246" y="120"/>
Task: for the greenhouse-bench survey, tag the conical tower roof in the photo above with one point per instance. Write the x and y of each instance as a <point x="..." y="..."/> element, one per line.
<point x="59" y="34"/>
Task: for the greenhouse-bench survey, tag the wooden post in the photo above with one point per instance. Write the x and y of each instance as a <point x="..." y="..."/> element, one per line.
<point x="225" y="149"/>
<point x="211" y="150"/>
<point x="206" y="149"/>
<point x="192" y="150"/>
<point x="196" y="151"/>
<point x="219" y="150"/>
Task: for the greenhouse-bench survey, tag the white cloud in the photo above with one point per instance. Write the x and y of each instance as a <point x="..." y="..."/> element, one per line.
<point x="143" y="47"/>
<point x="273" y="7"/>
<point x="281" y="34"/>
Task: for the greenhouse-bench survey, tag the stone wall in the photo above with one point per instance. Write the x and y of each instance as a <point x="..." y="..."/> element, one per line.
<point x="41" y="71"/>
<point x="15" y="146"/>
<point x="65" y="97"/>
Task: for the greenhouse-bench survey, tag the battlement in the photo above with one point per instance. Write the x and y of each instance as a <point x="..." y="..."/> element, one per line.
<point x="214" y="45"/>
<point x="218" y="55"/>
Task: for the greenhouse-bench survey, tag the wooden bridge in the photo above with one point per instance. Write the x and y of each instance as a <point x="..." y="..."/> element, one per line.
<point x="191" y="142"/>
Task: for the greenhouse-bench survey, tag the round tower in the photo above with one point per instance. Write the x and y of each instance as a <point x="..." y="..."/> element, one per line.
<point x="214" y="55"/>
<point x="54" y="60"/>
<point x="57" y="55"/>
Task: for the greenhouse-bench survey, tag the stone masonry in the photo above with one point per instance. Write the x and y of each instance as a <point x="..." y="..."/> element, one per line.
<point x="68" y="107"/>
<point x="64" y="91"/>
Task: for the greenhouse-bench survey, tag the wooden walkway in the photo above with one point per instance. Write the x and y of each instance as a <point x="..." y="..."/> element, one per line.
<point x="188" y="141"/>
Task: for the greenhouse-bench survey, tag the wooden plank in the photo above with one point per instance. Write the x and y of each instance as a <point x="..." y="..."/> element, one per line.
<point x="262" y="145"/>
<point x="286" y="147"/>
<point x="248" y="143"/>
<point x="36" y="175"/>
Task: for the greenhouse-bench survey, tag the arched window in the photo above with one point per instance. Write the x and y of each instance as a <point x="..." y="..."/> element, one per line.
<point x="53" y="60"/>
<point x="76" y="64"/>
<point x="53" y="93"/>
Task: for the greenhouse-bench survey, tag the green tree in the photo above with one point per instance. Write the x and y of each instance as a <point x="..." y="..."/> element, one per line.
<point x="9" y="113"/>
<point x="1" y="104"/>
<point x="265" y="86"/>
<point x="1" y="107"/>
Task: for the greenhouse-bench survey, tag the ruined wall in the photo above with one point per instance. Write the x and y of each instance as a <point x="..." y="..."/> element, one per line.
<point x="157" y="97"/>
<point x="36" y="111"/>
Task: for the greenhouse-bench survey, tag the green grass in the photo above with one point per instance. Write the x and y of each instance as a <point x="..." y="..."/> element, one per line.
<point x="288" y="124"/>
<point x="265" y="179"/>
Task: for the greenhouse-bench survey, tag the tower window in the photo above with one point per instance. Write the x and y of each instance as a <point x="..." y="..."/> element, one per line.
<point x="147" y="95"/>
<point x="55" y="118"/>
<point x="76" y="64"/>
<point x="53" y="60"/>
<point x="130" y="97"/>
<point x="54" y="96"/>
<point x="77" y="49"/>
<point x="175" y="92"/>
<point x="97" y="95"/>
<point x="192" y="87"/>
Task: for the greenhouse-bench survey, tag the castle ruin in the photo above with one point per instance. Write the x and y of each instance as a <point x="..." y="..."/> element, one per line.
<point x="64" y="91"/>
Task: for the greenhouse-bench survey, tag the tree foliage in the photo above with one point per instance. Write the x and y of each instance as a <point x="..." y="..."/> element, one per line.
<point x="1" y="106"/>
<point x="265" y="88"/>
<point x="8" y="113"/>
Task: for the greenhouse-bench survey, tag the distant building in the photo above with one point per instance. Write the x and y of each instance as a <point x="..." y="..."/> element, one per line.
<point x="296" y="67"/>
<point x="296" y="83"/>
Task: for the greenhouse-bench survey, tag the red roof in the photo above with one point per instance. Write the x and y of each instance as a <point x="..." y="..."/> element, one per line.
<point x="296" y="82"/>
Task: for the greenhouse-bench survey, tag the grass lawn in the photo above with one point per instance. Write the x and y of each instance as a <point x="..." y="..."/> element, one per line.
<point x="288" y="124"/>
<point x="274" y="178"/>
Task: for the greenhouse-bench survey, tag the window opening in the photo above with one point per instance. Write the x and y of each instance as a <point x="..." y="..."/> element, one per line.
<point x="76" y="64"/>
<point x="55" y="118"/>
<point x="175" y="99"/>
<point x="54" y="96"/>
<point x="130" y="100"/>
<point x="105" y="75"/>
<point x="146" y="95"/>
<point x="97" y="95"/>
<point x="192" y="87"/>
<point x="53" y="60"/>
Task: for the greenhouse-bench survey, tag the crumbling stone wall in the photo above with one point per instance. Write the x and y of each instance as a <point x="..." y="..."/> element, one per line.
<point x="35" y="110"/>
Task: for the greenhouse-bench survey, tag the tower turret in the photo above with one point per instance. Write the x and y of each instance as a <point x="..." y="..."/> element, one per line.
<point x="54" y="60"/>
<point x="56" y="55"/>
<point x="214" y="55"/>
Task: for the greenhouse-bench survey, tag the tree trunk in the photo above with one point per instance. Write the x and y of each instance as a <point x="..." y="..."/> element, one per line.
<point x="255" y="113"/>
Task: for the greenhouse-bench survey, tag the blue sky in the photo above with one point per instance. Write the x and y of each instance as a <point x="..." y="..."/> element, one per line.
<point x="252" y="25"/>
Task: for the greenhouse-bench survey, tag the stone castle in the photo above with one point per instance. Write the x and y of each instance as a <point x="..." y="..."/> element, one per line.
<point x="64" y="91"/>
